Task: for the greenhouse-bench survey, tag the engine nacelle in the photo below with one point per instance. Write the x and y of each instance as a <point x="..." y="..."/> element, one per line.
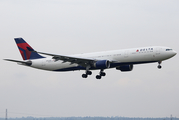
<point x="102" y="64"/>
<point x="125" y="68"/>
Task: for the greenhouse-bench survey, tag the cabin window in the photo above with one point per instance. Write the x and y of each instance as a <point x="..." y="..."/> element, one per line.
<point x="168" y="49"/>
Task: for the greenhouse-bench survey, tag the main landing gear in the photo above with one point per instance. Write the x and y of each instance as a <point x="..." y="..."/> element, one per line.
<point x="159" y="66"/>
<point x="87" y="72"/>
<point x="101" y="73"/>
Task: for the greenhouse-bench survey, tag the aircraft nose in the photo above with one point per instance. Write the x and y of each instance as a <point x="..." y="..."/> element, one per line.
<point x="174" y="53"/>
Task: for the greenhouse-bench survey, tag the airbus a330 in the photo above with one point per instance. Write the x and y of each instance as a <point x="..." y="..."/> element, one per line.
<point x="122" y="60"/>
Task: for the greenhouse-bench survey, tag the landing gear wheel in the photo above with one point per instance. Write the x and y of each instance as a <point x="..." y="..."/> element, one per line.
<point x="89" y="73"/>
<point x="84" y="75"/>
<point x="102" y="74"/>
<point x="159" y="66"/>
<point x="98" y="77"/>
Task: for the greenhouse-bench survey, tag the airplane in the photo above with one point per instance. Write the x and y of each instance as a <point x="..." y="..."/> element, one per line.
<point x="122" y="60"/>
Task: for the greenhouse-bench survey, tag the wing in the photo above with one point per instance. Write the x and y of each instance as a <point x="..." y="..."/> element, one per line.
<point x="85" y="62"/>
<point x="78" y="60"/>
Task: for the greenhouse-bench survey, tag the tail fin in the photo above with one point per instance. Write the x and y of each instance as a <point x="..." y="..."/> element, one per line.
<point x="25" y="53"/>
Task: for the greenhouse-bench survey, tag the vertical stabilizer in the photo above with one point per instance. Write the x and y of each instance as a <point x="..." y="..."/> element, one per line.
<point x="25" y="53"/>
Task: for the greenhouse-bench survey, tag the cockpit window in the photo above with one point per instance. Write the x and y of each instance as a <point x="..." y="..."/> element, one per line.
<point x="168" y="49"/>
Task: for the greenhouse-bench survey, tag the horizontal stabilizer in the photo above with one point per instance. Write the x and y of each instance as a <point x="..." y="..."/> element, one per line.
<point x="29" y="63"/>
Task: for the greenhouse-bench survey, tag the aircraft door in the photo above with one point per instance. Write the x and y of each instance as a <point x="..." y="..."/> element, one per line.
<point x="157" y="51"/>
<point x="126" y="54"/>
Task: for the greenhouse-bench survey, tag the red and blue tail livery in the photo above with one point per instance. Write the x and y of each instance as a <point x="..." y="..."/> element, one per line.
<point x="23" y="48"/>
<point x="122" y="60"/>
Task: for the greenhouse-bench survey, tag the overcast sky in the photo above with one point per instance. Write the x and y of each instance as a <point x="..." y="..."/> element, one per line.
<point x="81" y="26"/>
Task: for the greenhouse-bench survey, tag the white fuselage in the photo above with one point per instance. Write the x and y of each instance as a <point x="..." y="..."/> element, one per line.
<point x="117" y="57"/>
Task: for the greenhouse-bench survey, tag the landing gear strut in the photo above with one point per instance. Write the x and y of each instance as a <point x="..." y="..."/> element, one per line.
<point x="159" y="66"/>
<point x="101" y="73"/>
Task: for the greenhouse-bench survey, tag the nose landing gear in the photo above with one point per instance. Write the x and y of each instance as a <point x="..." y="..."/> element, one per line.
<point x="159" y="66"/>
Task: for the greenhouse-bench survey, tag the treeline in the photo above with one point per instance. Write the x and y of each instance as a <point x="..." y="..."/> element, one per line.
<point x="88" y="118"/>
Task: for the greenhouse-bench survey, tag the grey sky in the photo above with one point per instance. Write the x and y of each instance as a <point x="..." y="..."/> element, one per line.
<point x="80" y="26"/>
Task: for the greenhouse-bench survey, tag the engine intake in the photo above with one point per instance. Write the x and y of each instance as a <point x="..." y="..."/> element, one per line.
<point x="102" y="64"/>
<point x="125" y="68"/>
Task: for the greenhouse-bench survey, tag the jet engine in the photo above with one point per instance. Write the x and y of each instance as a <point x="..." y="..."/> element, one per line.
<point x="102" y="64"/>
<point x="125" y="68"/>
